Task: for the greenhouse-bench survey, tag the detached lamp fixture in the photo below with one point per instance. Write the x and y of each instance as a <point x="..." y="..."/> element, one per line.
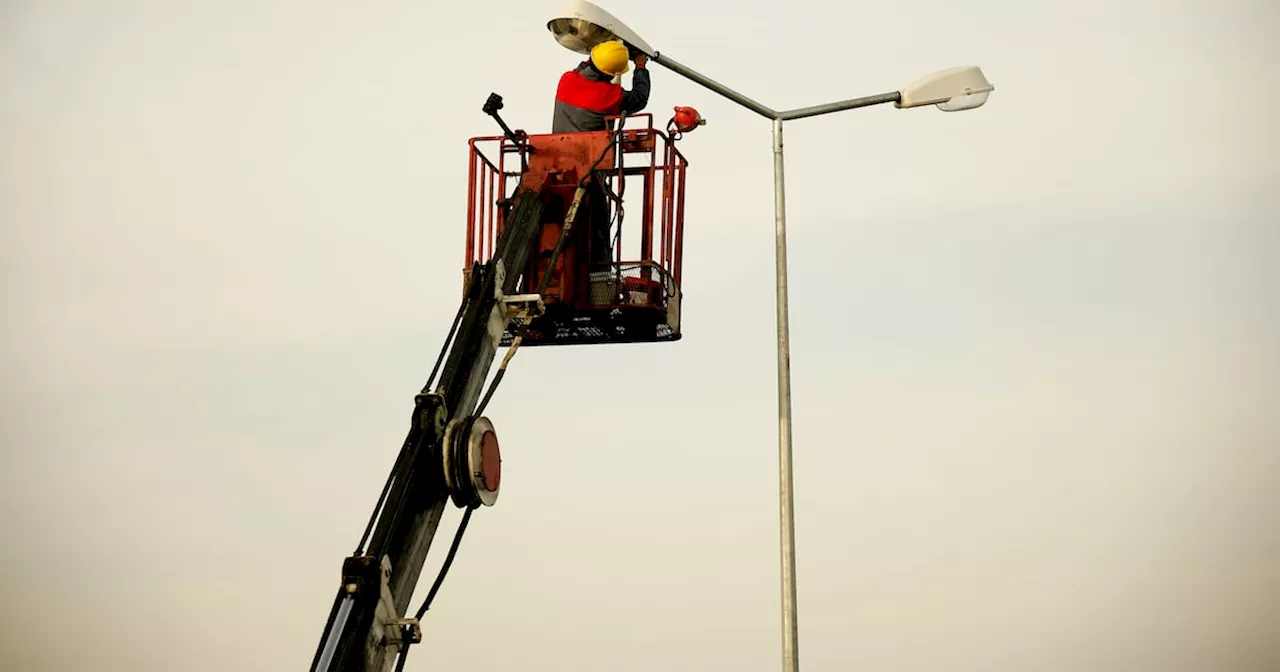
<point x="580" y="25"/>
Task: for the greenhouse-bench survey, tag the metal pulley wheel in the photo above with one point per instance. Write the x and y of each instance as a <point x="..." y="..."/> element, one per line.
<point x="472" y="462"/>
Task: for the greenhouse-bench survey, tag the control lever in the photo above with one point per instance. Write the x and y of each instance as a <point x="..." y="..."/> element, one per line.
<point x="491" y="107"/>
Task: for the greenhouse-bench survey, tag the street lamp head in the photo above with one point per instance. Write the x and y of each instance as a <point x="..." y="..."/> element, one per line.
<point x="952" y="90"/>
<point x="580" y="25"/>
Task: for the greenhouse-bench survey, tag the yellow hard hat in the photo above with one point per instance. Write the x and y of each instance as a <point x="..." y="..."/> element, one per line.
<point x="612" y="57"/>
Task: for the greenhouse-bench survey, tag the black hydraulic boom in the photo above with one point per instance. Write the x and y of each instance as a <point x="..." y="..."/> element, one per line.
<point x="367" y="629"/>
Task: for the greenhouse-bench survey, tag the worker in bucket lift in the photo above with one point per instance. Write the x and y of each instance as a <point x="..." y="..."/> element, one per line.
<point x="585" y="96"/>
<point x="589" y="93"/>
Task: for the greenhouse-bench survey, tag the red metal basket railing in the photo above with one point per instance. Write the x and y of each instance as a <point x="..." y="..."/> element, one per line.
<point x="647" y="156"/>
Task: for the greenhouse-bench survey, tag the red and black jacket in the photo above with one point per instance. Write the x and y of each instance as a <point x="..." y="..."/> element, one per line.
<point x="586" y="96"/>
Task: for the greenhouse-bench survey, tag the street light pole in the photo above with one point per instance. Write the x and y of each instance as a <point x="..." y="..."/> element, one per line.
<point x="786" y="503"/>
<point x="786" y="499"/>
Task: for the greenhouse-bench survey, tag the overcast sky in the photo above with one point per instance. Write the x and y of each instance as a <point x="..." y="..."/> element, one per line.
<point x="1035" y="345"/>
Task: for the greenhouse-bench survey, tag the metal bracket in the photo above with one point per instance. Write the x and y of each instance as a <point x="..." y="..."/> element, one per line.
<point x="409" y="630"/>
<point x="386" y="627"/>
<point x="432" y="412"/>
<point x="520" y="306"/>
<point x="496" y="323"/>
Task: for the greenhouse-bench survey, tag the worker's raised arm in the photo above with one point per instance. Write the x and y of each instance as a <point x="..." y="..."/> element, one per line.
<point x="634" y="100"/>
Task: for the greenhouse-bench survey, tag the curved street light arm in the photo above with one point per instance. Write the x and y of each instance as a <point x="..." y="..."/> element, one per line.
<point x="828" y="108"/>
<point x="764" y="110"/>
<point x="691" y="74"/>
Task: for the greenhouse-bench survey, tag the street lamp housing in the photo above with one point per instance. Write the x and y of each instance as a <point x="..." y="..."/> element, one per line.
<point x="580" y="25"/>
<point x="952" y="90"/>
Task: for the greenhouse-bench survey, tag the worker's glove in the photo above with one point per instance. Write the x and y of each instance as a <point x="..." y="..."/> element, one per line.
<point x="636" y="55"/>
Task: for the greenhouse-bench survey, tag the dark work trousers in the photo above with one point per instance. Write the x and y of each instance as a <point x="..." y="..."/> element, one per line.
<point x="598" y="216"/>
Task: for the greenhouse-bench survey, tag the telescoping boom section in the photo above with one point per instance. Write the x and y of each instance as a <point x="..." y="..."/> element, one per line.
<point x="614" y="259"/>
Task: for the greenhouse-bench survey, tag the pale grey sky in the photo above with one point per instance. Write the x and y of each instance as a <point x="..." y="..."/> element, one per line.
<point x="1035" y="365"/>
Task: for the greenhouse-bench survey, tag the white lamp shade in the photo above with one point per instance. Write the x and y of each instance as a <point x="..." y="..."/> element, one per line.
<point x="580" y="25"/>
<point x="952" y="90"/>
